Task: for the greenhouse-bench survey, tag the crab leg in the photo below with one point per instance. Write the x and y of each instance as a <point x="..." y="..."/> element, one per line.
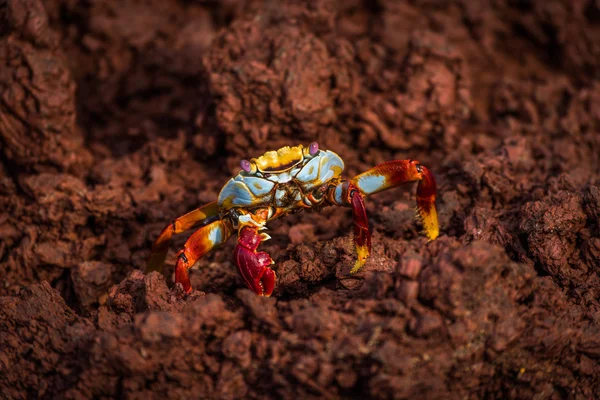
<point x="194" y="219"/>
<point x="381" y="177"/>
<point x="346" y="193"/>
<point x="362" y="236"/>
<point x="198" y="244"/>
<point x="394" y="173"/>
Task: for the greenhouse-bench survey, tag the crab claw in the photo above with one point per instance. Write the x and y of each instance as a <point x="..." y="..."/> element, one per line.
<point x="253" y="265"/>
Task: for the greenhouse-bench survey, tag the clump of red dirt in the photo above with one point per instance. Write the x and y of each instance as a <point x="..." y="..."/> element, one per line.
<point x="116" y="117"/>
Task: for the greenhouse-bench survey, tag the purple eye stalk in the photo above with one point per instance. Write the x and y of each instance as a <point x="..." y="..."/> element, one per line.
<point x="313" y="148"/>
<point x="246" y="166"/>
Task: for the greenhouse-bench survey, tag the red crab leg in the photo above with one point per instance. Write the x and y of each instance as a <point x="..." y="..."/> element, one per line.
<point x="362" y="236"/>
<point x="194" y="219"/>
<point x="253" y="265"/>
<point x="345" y="193"/>
<point x="395" y="173"/>
<point x="200" y="243"/>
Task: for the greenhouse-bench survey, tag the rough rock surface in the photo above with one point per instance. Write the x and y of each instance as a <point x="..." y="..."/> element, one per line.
<point x="111" y="126"/>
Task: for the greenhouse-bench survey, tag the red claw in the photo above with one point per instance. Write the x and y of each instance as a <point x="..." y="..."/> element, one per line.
<point x="253" y="265"/>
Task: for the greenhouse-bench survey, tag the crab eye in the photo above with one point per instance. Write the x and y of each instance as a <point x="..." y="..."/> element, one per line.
<point x="246" y="166"/>
<point x="313" y="148"/>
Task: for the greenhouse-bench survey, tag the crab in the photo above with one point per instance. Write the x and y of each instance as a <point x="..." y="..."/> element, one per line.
<point x="278" y="183"/>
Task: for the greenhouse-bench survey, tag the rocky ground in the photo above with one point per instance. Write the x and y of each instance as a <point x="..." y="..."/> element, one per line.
<point x="116" y="117"/>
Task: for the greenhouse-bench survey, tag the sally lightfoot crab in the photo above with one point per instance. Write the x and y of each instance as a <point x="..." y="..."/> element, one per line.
<point x="278" y="183"/>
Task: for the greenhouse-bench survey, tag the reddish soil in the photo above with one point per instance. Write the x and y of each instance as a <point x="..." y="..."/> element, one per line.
<point x="116" y="117"/>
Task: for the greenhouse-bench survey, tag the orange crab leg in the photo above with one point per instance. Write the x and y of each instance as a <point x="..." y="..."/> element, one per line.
<point x="194" y="219"/>
<point x="198" y="244"/>
<point x="394" y="173"/>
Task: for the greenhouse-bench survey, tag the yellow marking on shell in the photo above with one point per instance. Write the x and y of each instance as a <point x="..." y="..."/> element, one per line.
<point x="227" y="203"/>
<point x="279" y="160"/>
<point x="337" y="171"/>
